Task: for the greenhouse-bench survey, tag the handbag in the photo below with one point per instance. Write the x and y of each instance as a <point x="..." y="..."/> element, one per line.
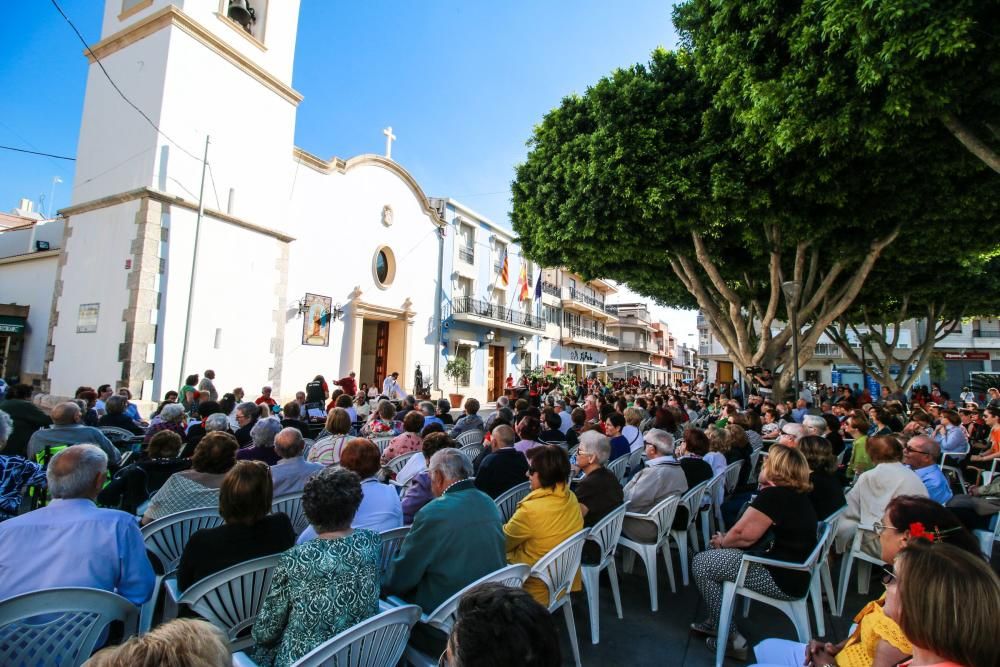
<point x="763" y="545"/>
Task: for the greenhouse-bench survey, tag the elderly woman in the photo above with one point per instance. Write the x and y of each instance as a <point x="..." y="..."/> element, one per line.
<point x="419" y="493"/>
<point x="131" y="411"/>
<point x="199" y="486"/>
<point x="827" y="495"/>
<point x="407" y="441"/>
<point x="132" y="486"/>
<point x="16" y="472"/>
<point x="782" y="507"/>
<point x="182" y="641"/>
<point x="383" y="421"/>
<point x="329" y="447"/>
<point x="548" y="515"/>
<point x="250" y="530"/>
<point x="877" y="640"/>
<point x="115" y="416"/>
<point x="262" y="442"/>
<point x="950" y="434"/>
<point x="380" y="508"/>
<point x="171" y="418"/>
<point x="326" y="585"/>
<point x="870" y="495"/>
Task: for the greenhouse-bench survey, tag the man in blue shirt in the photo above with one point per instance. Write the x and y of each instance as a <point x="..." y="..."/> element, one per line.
<point x="72" y="542"/>
<point x="922" y="454"/>
<point x="68" y="429"/>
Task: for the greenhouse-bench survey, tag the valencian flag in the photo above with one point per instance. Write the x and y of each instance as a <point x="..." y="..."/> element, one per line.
<point x="522" y="282"/>
<point x="504" y="275"/>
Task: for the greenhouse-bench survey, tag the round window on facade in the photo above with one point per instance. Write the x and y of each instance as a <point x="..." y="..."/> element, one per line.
<point x="384" y="267"/>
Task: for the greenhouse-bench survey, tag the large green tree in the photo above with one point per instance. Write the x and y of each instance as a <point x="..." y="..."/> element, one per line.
<point x="645" y="179"/>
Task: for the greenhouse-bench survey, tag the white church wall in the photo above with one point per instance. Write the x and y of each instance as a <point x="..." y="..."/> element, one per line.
<point x="95" y="273"/>
<point x="28" y="281"/>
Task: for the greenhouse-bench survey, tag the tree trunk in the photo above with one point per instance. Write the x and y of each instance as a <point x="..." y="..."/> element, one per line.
<point x="972" y="143"/>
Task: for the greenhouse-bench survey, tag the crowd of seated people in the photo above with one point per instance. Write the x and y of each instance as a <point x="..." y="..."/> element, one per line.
<point x="879" y="464"/>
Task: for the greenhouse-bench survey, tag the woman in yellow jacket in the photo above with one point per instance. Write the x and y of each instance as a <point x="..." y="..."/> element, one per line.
<point x="547" y="516"/>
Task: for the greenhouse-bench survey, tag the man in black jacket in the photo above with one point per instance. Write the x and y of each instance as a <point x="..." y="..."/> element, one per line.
<point x="505" y="467"/>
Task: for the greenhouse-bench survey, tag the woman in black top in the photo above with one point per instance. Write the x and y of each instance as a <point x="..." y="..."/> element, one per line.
<point x="249" y="530"/>
<point x="134" y="484"/>
<point x="116" y="417"/>
<point x="781" y="511"/>
<point x="827" y="495"/>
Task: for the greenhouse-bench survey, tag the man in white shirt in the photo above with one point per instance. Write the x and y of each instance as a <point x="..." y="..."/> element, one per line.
<point x="391" y="388"/>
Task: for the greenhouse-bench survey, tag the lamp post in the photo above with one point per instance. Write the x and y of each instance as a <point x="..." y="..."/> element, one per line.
<point x="863" y="341"/>
<point x="793" y="290"/>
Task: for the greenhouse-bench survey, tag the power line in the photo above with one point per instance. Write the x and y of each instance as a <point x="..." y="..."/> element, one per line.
<point x="115" y="85"/>
<point x="25" y="150"/>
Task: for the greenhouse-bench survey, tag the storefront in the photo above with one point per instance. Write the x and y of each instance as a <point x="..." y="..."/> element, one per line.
<point x="12" y="329"/>
<point x="578" y="361"/>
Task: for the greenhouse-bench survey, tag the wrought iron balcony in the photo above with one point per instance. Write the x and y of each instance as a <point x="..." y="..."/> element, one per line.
<point x="549" y="288"/>
<point x="469" y="306"/>
<point x="590" y="334"/>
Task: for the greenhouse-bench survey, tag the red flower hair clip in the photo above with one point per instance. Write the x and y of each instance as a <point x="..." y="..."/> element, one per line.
<point x="917" y="531"/>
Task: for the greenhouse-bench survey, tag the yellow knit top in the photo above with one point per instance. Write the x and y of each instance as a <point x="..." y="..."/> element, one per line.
<point x="873" y="625"/>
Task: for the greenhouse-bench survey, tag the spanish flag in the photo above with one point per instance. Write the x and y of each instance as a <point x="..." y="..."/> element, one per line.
<point x="504" y="275"/>
<point x="522" y="282"/>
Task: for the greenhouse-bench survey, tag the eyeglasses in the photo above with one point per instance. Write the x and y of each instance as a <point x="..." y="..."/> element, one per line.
<point x="888" y="577"/>
<point x="880" y="527"/>
<point x="907" y="448"/>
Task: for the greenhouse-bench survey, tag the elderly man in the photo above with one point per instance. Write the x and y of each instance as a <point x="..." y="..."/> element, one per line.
<point x="26" y="417"/>
<point x="800" y="410"/>
<point x="265" y="397"/>
<point x="661" y="477"/>
<point x="565" y="420"/>
<point x="246" y="416"/>
<point x="68" y="429"/>
<point x="290" y="473"/>
<point x="503" y="468"/>
<point x="262" y="442"/>
<point x="502" y="402"/>
<point x="72" y="542"/>
<point x="922" y="454"/>
<point x="171" y="418"/>
<point x="471" y="421"/>
<point x="455" y="539"/>
<point x="599" y="491"/>
<point x="428" y="410"/>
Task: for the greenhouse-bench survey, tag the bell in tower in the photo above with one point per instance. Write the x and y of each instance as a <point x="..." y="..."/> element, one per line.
<point x="242" y="13"/>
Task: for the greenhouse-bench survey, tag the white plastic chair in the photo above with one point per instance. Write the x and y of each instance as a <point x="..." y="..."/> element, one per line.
<point x="231" y="598"/>
<point x="618" y="468"/>
<point x="957" y="457"/>
<point x="605" y="533"/>
<point x="166" y="538"/>
<point x="634" y="461"/>
<point x="692" y="500"/>
<point x="74" y="621"/>
<point x="754" y="458"/>
<point x="711" y="512"/>
<point x="396" y="464"/>
<point x="732" y="472"/>
<point x="375" y="642"/>
<point x="797" y="610"/>
<point x="833" y="522"/>
<point x="987" y="538"/>
<point x="660" y="515"/>
<point x="865" y="561"/>
<point x="392" y="540"/>
<point x="291" y="506"/>
<point x="508" y="500"/>
<point x="474" y="450"/>
<point x="443" y="618"/>
<point x="382" y="442"/>
<point x="474" y="437"/>
<point x="557" y="570"/>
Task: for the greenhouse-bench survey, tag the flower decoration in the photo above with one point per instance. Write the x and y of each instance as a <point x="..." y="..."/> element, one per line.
<point x="917" y="530"/>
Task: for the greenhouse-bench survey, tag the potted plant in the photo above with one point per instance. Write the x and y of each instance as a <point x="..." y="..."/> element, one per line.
<point x="457" y="369"/>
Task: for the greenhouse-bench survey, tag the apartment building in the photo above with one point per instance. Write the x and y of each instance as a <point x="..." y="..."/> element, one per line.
<point x="578" y="336"/>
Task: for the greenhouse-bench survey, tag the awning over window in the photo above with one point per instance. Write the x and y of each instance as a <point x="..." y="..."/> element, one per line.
<point x="11" y="324"/>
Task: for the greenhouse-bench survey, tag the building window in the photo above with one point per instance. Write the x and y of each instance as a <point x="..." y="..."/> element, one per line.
<point x="384" y="267"/>
<point x="465" y="286"/>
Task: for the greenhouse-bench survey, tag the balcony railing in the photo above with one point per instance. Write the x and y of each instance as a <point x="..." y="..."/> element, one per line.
<point x="466" y="305"/>
<point x="627" y="315"/>
<point x="549" y="288"/>
<point x="577" y="295"/>
<point x="467" y="255"/>
<point x="589" y="334"/>
<point x="637" y="346"/>
<point x="827" y="350"/>
<point x="985" y="333"/>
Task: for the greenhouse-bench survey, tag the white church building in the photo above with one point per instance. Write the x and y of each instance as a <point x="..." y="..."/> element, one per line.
<point x="293" y="265"/>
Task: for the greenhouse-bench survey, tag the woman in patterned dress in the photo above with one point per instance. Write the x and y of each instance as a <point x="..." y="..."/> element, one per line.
<point x="326" y="585"/>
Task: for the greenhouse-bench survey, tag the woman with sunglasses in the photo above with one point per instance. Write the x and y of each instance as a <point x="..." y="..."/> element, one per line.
<point x="877" y="640"/>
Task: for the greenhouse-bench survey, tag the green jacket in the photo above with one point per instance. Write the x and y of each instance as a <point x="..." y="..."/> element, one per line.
<point x="455" y="539"/>
<point x="27" y="419"/>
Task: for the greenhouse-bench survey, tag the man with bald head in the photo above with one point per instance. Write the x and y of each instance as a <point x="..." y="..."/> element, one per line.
<point x="291" y="471"/>
<point x="504" y="467"/>
<point x="922" y="454"/>
<point x="72" y="542"/>
<point x="68" y="429"/>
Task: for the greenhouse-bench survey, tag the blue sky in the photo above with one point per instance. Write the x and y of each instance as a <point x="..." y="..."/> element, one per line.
<point x="461" y="83"/>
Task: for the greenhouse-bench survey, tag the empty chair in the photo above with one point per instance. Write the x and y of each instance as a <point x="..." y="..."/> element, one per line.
<point x="605" y="533"/>
<point x="660" y="515"/>
<point x="825" y="580"/>
<point x="797" y="610"/>
<point x="474" y="437"/>
<point x="557" y="570"/>
<point x="473" y="450"/>
<point x="508" y="500"/>
<point x="231" y="598"/>
<point x="396" y="464"/>
<point x="692" y="500"/>
<point x="375" y="642"/>
<point x="865" y="561"/>
<point x="74" y="621"/>
<point x="291" y="506"/>
<point x="956" y="458"/>
<point x="391" y="541"/>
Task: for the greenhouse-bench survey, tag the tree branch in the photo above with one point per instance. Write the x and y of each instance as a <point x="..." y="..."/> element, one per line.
<point x="972" y="143"/>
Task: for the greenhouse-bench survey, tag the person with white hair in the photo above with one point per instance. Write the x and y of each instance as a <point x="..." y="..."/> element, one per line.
<point x="814" y="425"/>
<point x="68" y="429"/>
<point x="662" y="476"/>
<point x="171" y="418"/>
<point x="16" y="472"/>
<point x="292" y="470"/>
<point x="71" y="541"/>
<point x="262" y="442"/>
